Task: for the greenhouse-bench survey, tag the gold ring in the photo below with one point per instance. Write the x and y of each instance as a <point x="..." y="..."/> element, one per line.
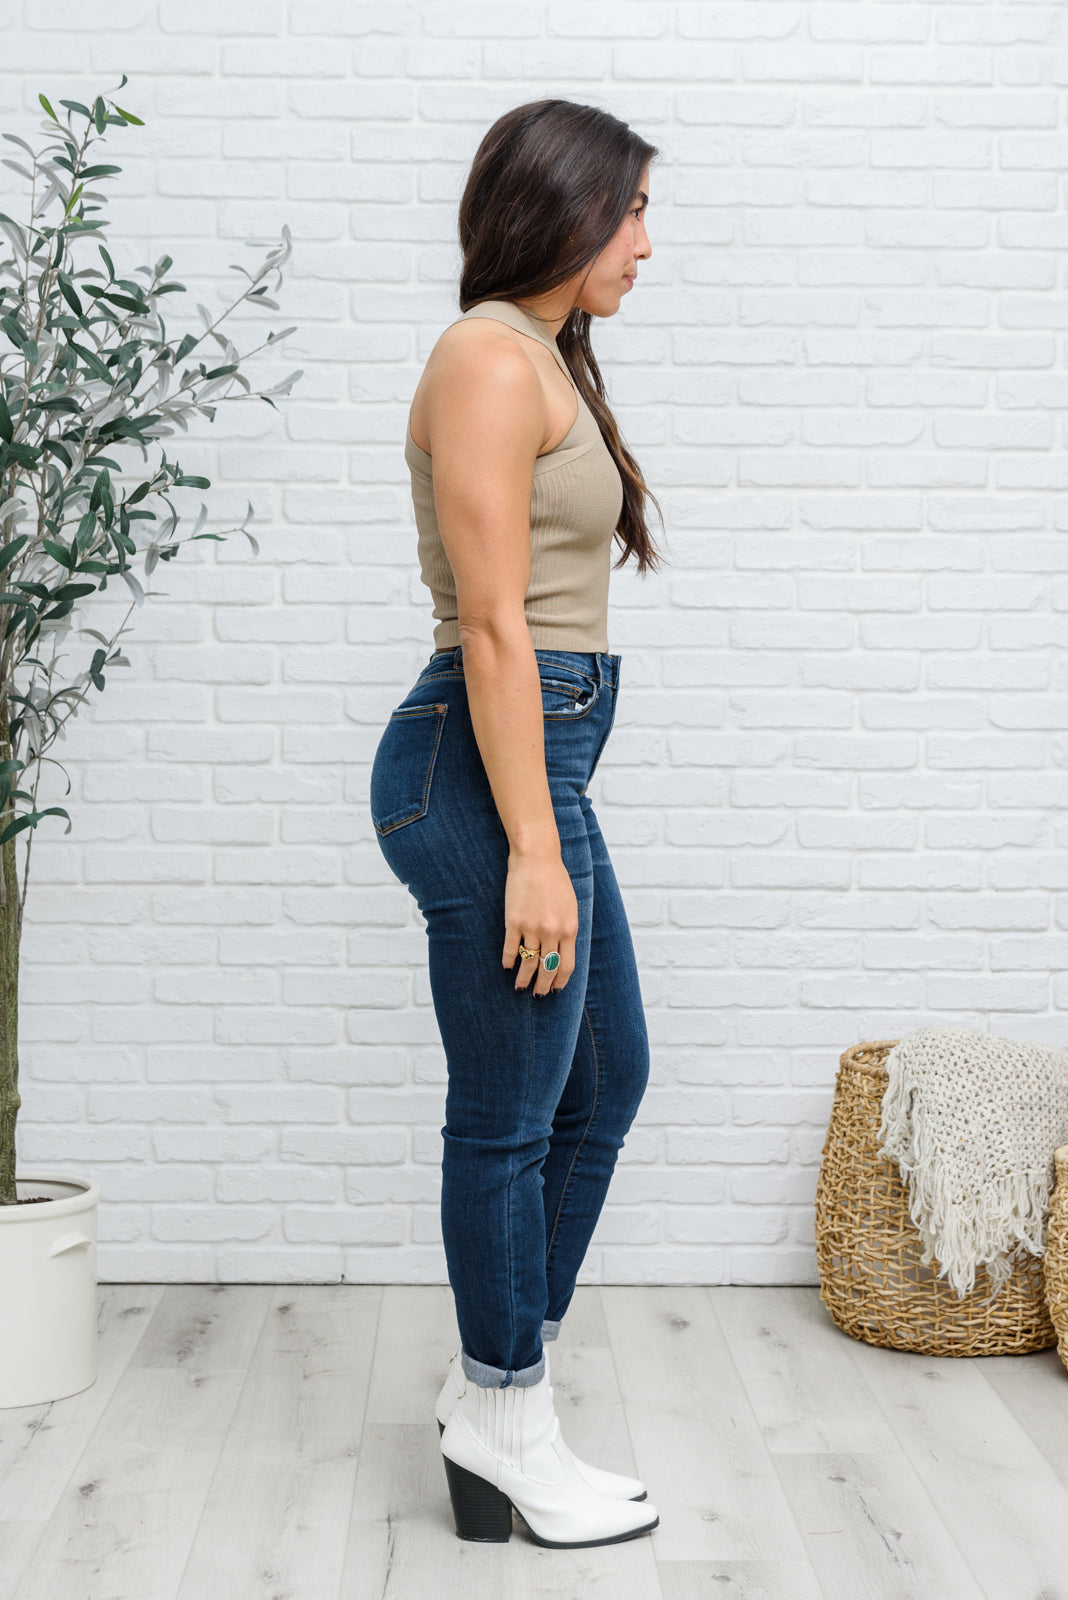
<point x="525" y="953"/>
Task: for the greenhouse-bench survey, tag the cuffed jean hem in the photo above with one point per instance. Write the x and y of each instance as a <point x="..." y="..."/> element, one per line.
<point x="499" y="1377"/>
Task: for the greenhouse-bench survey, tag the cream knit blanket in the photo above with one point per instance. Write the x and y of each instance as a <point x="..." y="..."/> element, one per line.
<point x="972" y="1121"/>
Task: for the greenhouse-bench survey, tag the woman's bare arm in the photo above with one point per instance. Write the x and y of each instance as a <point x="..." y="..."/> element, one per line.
<point x="486" y="413"/>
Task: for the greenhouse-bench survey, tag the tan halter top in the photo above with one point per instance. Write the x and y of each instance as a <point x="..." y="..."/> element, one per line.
<point x="576" y="498"/>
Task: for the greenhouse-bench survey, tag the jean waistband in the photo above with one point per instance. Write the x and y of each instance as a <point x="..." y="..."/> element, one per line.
<point x="599" y="664"/>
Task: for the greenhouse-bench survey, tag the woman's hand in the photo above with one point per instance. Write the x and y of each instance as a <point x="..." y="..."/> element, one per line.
<point x="540" y="911"/>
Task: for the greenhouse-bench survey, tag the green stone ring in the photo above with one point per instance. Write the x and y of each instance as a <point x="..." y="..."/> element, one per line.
<point x="551" y="961"/>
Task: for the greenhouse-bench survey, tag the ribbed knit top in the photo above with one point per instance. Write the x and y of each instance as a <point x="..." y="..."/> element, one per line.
<point x="576" y="498"/>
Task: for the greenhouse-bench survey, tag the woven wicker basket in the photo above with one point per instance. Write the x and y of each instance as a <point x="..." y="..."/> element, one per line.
<point x="1055" y="1260"/>
<point x="868" y="1248"/>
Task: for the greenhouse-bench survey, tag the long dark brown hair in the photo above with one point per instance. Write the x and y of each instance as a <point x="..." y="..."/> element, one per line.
<point x="549" y="186"/>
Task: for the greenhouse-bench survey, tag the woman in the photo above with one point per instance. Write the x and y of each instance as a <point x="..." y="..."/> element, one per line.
<point x="478" y="793"/>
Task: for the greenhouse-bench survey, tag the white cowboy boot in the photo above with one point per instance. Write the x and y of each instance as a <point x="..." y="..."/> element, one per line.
<point x="503" y="1452"/>
<point x="610" y="1483"/>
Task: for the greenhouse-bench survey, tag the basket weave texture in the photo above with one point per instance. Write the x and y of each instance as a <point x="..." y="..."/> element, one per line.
<point x="868" y="1248"/>
<point x="1055" y="1260"/>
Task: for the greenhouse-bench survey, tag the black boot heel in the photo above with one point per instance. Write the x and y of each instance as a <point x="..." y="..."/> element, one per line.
<point x="482" y="1512"/>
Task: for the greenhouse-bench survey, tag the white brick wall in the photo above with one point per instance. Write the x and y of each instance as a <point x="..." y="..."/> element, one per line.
<point x="836" y="789"/>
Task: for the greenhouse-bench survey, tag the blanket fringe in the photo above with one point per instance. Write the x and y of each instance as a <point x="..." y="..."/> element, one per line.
<point x="961" y="1228"/>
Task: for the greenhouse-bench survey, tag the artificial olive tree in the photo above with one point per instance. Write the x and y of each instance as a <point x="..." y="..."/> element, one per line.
<point x="89" y="377"/>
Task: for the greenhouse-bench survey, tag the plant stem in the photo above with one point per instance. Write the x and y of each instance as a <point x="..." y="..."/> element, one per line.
<point x="10" y="932"/>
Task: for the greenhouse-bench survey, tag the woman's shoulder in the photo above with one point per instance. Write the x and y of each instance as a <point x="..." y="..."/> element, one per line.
<point x="476" y="356"/>
<point x="478" y="334"/>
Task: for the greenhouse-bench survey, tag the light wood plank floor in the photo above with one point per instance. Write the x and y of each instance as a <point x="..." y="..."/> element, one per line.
<point x="260" y="1442"/>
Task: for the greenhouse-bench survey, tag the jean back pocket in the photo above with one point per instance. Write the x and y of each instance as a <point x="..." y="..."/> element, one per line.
<point x="404" y="766"/>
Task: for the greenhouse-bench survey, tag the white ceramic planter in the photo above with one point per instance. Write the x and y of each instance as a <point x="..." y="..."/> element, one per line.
<point x="48" y="1289"/>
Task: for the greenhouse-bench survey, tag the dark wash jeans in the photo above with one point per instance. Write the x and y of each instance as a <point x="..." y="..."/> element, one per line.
<point x="541" y="1091"/>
